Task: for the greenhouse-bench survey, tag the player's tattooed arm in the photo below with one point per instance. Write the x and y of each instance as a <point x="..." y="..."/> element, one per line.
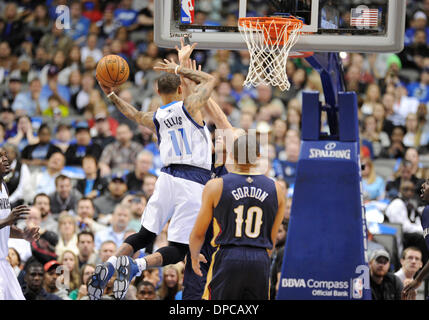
<point x="128" y="110"/>
<point x="201" y="93"/>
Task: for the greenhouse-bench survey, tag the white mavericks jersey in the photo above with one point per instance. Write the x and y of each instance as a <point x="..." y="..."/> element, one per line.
<point x="4" y="232"/>
<point x="181" y="140"/>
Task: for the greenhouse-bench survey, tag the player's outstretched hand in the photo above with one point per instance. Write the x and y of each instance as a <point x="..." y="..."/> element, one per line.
<point x="106" y="89"/>
<point x="167" y="66"/>
<point x="185" y="51"/>
<point x="409" y="291"/>
<point x="32" y="234"/>
<point x="17" y="213"/>
<point x="196" y="264"/>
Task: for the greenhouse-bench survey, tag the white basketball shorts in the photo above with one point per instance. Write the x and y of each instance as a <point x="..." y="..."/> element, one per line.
<point x="177" y="199"/>
<point x="9" y="285"/>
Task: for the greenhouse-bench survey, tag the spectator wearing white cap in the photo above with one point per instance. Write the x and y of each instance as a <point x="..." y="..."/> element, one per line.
<point x="418" y="22"/>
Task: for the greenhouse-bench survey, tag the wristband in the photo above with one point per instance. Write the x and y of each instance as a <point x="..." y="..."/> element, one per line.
<point x="175" y="70"/>
<point x="110" y="94"/>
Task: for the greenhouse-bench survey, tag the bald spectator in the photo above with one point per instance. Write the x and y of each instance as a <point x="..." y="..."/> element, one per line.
<point x="116" y="231"/>
<point x="107" y="249"/>
<point x="121" y="154"/>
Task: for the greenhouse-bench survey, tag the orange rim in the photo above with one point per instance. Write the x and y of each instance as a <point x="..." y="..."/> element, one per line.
<point x="270" y="25"/>
<point x="264" y="23"/>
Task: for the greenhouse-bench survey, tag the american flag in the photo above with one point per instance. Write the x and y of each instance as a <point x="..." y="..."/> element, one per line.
<point x="364" y="17"/>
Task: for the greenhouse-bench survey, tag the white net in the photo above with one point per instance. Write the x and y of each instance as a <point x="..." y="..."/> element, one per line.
<point x="269" y="45"/>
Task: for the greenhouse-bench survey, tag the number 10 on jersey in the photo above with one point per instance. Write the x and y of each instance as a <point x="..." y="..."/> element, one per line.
<point x="178" y="148"/>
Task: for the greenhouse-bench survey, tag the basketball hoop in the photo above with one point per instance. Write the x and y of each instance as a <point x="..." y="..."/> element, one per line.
<point x="269" y="40"/>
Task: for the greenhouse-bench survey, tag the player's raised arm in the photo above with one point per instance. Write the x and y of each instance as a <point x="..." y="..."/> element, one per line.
<point x="210" y="197"/>
<point x="143" y="118"/>
<point x="201" y="93"/>
<point x="217" y="115"/>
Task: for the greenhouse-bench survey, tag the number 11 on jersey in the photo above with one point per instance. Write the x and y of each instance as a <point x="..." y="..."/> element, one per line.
<point x="178" y="148"/>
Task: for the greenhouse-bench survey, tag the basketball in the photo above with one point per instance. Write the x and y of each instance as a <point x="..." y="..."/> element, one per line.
<point x="112" y="70"/>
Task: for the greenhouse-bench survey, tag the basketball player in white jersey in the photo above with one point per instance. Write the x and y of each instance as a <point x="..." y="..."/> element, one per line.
<point x="186" y="151"/>
<point x="9" y="286"/>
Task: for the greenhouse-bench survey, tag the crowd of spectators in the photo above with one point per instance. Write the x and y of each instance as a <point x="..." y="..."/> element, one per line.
<point x="87" y="172"/>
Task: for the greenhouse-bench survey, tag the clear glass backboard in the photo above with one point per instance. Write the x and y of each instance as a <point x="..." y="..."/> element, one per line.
<point x="331" y="25"/>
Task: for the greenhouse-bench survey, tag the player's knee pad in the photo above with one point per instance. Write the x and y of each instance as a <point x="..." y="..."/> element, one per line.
<point x="173" y="253"/>
<point x="140" y="239"/>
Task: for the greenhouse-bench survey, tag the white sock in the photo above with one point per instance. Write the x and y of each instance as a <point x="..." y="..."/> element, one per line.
<point x="112" y="260"/>
<point x="142" y="264"/>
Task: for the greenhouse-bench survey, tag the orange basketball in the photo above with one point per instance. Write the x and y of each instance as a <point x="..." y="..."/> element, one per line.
<point x="112" y="70"/>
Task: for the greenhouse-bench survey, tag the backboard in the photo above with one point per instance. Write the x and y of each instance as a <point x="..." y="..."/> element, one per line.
<point x="331" y="25"/>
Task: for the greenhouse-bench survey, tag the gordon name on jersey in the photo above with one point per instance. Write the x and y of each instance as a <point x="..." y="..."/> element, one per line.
<point x="249" y="192"/>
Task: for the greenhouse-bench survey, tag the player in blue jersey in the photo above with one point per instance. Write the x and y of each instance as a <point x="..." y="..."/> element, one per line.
<point x="409" y="291"/>
<point x="186" y="148"/>
<point x="246" y="209"/>
<point x="193" y="285"/>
